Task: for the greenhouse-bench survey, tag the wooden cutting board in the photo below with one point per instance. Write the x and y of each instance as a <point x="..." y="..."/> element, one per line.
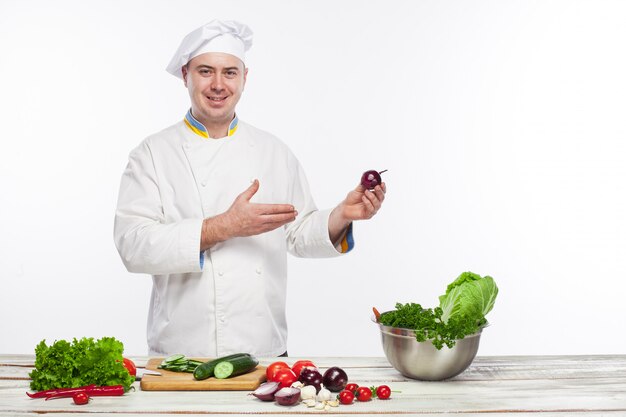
<point x="184" y="381"/>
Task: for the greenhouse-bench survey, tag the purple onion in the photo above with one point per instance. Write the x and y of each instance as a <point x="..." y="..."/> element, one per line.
<point x="311" y="376"/>
<point x="266" y="391"/>
<point x="370" y="179"/>
<point x="335" y="379"/>
<point x="287" y="396"/>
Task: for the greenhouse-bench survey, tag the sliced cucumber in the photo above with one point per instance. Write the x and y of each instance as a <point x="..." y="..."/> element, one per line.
<point x="174" y="358"/>
<point x="179" y="363"/>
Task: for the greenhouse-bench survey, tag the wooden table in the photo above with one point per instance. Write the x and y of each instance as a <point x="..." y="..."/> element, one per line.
<point x="542" y="386"/>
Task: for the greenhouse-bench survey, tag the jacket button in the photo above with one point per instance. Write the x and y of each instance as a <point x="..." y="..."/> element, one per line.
<point x="220" y="273"/>
<point x="258" y="270"/>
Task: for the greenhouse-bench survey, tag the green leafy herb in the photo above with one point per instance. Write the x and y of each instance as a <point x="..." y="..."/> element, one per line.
<point x="82" y="362"/>
<point x="461" y="311"/>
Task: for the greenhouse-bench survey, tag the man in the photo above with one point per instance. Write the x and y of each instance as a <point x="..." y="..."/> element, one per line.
<point x="210" y="207"/>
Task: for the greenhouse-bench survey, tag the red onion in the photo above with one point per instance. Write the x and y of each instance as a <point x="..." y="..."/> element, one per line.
<point x="335" y="379"/>
<point x="287" y="396"/>
<point x="370" y="179"/>
<point x="311" y="376"/>
<point x="266" y="391"/>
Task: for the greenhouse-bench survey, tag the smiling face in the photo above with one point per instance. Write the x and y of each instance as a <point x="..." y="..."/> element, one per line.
<point x="215" y="82"/>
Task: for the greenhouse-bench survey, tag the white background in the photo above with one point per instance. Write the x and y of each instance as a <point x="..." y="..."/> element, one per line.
<point x="502" y="124"/>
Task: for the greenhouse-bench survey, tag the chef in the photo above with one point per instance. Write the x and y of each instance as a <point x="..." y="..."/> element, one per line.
<point x="210" y="207"/>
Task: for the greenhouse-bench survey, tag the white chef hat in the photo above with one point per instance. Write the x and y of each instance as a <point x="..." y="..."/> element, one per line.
<point x="227" y="36"/>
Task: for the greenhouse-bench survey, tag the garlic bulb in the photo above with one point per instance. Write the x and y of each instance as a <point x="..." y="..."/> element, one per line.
<point x="324" y="395"/>
<point x="308" y="392"/>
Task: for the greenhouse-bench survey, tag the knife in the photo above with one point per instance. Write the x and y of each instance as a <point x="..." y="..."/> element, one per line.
<point x="143" y="371"/>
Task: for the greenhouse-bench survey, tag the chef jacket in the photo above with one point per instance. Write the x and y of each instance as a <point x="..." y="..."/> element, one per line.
<point x="231" y="297"/>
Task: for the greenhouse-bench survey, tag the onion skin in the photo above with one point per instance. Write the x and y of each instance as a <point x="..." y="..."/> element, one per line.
<point x="266" y="391"/>
<point x="335" y="379"/>
<point x="287" y="396"/>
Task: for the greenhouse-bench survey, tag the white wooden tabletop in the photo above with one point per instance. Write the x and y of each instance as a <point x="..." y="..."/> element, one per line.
<point x="538" y="386"/>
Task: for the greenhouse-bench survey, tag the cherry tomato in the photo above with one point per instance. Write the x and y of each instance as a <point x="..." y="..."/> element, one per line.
<point x="285" y="377"/>
<point x="363" y="394"/>
<point x="80" y="398"/>
<point x="297" y="367"/>
<point x="271" y="370"/>
<point x="383" y="392"/>
<point x="130" y="365"/>
<point x="345" y="397"/>
<point x="352" y="387"/>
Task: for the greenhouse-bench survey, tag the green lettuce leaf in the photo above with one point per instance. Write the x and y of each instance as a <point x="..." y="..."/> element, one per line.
<point x="82" y="362"/>
<point x="470" y="296"/>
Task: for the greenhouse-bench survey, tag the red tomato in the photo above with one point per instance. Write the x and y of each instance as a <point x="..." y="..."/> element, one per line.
<point x="383" y="392"/>
<point x="130" y="365"/>
<point x="363" y="394"/>
<point x="271" y="370"/>
<point x="80" y="398"/>
<point x="299" y="365"/>
<point x="346" y="397"/>
<point x="352" y="387"/>
<point x="285" y="377"/>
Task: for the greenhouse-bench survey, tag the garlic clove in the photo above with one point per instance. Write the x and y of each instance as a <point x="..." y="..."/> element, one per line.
<point x="307" y="392"/>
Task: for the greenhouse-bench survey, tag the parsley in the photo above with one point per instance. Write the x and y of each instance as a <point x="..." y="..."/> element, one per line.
<point x="427" y="324"/>
<point x="82" y="362"/>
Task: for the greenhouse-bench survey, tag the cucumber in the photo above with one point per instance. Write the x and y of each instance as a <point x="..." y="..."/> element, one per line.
<point x="174" y="358"/>
<point x="206" y="370"/>
<point x="193" y="363"/>
<point x="236" y="366"/>
<point x="179" y="363"/>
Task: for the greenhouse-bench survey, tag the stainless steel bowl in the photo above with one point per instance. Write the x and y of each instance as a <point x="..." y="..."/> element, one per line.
<point x="421" y="360"/>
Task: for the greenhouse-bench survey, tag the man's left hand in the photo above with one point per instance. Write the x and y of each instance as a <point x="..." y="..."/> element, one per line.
<point x="359" y="204"/>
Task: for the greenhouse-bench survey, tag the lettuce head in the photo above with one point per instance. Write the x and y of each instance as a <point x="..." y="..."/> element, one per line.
<point x="469" y="297"/>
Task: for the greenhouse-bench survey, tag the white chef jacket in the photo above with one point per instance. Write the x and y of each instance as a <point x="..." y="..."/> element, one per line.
<point x="231" y="298"/>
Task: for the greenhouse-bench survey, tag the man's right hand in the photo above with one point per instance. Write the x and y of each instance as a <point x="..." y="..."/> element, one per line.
<point x="244" y="218"/>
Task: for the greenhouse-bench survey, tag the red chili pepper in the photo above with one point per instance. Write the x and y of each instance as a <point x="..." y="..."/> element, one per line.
<point x="59" y="392"/>
<point x="90" y="390"/>
<point x="64" y="394"/>
<point x="111" y="390"/>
